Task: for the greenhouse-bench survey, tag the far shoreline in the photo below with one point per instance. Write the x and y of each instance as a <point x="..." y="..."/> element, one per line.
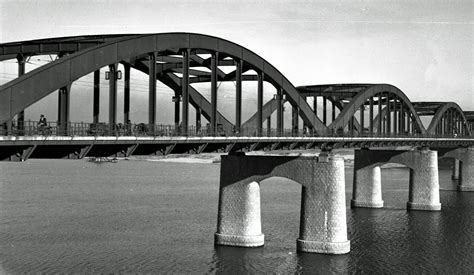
<point x="210" y="158"/>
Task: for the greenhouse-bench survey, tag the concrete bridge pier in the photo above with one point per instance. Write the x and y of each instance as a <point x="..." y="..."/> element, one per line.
<point x="455" y="175"/>
<point x="367" y="188"/>
<point x="466" y="182"/>
<point x="464" y="157"/>
<point x="323" y="226"/>
<point x="424" y="181"/>
<point x="239" y="221"/>
<point x="423" y="185"/>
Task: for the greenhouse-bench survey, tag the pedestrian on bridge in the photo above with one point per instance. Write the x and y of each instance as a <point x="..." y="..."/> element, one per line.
<point x="42" y="124"/>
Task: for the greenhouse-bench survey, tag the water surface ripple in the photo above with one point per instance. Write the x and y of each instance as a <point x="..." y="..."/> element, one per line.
<point x="155" y="217"/>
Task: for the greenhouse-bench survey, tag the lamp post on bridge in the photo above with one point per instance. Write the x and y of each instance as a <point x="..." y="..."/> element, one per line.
<point x="280" y="99"/>
<point x="113" y="75"/>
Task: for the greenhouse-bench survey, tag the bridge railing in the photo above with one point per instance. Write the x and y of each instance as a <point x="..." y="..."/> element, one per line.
<point x="34" y="128"/>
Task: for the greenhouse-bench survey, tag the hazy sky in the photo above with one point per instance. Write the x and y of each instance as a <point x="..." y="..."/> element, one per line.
<point x="423" y="47"/>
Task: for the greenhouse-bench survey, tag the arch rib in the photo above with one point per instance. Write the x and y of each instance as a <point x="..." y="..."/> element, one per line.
<point x="358" y="100"/>
<point x="442" y="110"/>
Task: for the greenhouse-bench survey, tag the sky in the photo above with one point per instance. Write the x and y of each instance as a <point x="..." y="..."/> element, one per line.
<point x="423" y="47"/>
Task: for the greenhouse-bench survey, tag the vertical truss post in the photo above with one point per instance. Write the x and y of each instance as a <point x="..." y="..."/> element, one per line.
<point x="446" y="121"/>
<point x="408" y="122"/>
<point x="198" y="120"/>
<point x="151" y="92"/>
<point x="453" y="119"/>
<point x="294" y="119"/>
<point x="402" y="119"/>
<point x="112" y="97"/>
<point x="315" y="105"/>
<point x="401" y="116"/>
<point x="460" y="125"/>
<point x="333" y="112"/>
<point x="238" y="96"/>
<point x="395" y="115"/>
<point x="361" y="130"/>
<point x="325" y="111"/>
<point x="63" y="110"/>
<point x="176" y="100"/>
<point x="443" y="125"/>
<point x="21" y="114"/>
<point x="349" y="126"/>
<point x="260" y="77"/>
<point x="269" y="126"/>
<point x="450" y="122"/>
<point x="453" y="125"/>
<point x="96" y="99"/>
<point x="389" y="114"/>
<point x="379" y="102"/>
<point x="214" y="61"/>
<point x="371" y="115"/>
<point x="185" y="92"/>
<point x="279" y="98"/>
<point x="126" y="95"/>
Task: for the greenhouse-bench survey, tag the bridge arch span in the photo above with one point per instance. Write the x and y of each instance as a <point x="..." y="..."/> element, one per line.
<point x="360" y="98"/>
<point x="454" y="116"/>
<point x="22" y="92"/>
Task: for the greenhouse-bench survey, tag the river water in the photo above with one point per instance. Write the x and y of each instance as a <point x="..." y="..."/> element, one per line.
<point x="158" y="217"/>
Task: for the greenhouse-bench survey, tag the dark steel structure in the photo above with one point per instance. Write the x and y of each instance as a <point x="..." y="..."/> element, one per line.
<point x="350" y="115"/>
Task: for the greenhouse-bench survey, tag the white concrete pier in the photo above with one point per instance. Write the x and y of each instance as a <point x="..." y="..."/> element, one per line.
<point x="323" y="227"/>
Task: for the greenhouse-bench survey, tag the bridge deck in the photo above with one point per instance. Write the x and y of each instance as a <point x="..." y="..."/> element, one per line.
<point x="16" y="148"/>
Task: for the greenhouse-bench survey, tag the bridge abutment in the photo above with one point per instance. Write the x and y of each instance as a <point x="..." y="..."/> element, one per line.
<point x="367" y="188"/>
<point x="323" y="226"/>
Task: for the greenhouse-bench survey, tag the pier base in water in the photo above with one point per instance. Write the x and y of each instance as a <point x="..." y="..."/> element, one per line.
<point x="367" y="189"/>
<point x="464" y="164"/>
<point x="323" y="226"/>
<point x="423" y="185"/>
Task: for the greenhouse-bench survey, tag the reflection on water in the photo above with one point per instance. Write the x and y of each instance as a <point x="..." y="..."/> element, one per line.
<point x="138" y="216"/>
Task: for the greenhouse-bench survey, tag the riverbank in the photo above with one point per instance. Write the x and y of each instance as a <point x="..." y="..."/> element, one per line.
<point x="346" y="154"/>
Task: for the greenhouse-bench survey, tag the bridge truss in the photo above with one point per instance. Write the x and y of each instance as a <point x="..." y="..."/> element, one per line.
<point x="181" y="59"/>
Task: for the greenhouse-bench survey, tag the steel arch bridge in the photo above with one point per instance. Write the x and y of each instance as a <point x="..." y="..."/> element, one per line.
<point x="181" y="59"/>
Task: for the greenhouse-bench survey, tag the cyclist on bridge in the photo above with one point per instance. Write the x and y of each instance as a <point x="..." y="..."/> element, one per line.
<point x="42" y="124"/>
